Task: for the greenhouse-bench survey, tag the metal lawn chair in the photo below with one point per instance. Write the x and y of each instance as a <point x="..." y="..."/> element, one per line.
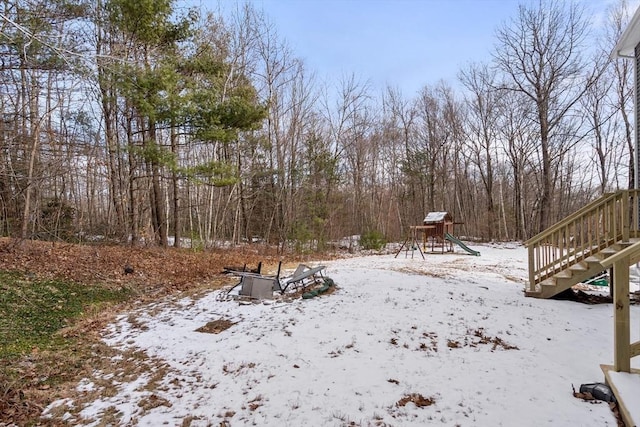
<point x="261" y="286"/>
<point x="302" y="277"/>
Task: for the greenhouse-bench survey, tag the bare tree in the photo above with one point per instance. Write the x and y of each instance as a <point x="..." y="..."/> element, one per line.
<point x="482" y="130"/>
<point x="214" y="129"/>
<point x="348" y="121"/>
<point x="428" y="159"/>
<point x="399" y="117"/>
<point x="518" y="139"/>
<point x="604" y="130"/>
<point x="540" y="53"/>
<point x="622" y="71"/>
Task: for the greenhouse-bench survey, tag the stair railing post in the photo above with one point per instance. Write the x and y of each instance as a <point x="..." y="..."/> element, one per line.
<point x="634" y="213"/>
<point x="532" y="269"/>
<point x="625" y="216"/>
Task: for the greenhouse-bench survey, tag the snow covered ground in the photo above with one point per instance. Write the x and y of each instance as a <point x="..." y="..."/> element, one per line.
<point x="450" y="340"/>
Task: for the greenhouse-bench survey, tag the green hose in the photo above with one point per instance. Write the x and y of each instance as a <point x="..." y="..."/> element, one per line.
<point x="328" y="283"/>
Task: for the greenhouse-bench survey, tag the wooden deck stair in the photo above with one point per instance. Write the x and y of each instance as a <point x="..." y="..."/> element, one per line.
<point x="575" y="273"/>
<point x="571" y="251"/>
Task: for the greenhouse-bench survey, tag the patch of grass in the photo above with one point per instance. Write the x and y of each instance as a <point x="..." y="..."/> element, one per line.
<point x="48" y="331"/>
<point x="33" y="311"/>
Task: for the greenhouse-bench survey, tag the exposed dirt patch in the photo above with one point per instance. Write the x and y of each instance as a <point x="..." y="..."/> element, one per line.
<point x="216" y="326"/>
<point x="583" y="297"/>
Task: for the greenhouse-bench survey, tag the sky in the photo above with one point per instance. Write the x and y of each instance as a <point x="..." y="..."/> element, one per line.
<point x="402" y="43"/>
<point x="446" y="340"/>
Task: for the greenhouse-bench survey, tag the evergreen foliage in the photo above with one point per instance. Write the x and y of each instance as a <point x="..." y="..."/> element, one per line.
<point x="372" y="239"/>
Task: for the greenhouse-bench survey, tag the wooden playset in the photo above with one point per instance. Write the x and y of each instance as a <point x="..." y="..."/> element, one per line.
<point x="434" y="235"/>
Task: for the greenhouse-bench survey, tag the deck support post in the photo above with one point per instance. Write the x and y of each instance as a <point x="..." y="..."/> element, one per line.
<point x="622" y="333"/>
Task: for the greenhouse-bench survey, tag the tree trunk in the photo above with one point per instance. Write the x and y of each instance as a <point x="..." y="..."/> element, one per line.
<point x="545" y="200"/>
<point x="30" y="101"/>
<point x="176" y="192"/>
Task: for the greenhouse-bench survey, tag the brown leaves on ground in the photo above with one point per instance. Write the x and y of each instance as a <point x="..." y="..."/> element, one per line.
<point x="476" y="337"/>
<point x="417" y="399"/>
<point x="486" y="339"/>
<point x="154" y="401"/>
<point x="588" y="397"/>
<point x="453" y="344"/>
<point x="14" y="408"/>
<point x="152" y="270"/>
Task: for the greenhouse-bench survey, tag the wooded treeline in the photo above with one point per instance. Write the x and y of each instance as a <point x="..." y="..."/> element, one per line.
<point x="146" y="121"/>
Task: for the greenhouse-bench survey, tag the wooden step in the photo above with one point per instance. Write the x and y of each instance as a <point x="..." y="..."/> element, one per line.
<point x="569" y="272"/>
<point x="579" y="267"/>
<point x="564" y="274"/>
<point x="550" y="288"/>
<point x="595" y="258"/>
<point x="566" y="279"/>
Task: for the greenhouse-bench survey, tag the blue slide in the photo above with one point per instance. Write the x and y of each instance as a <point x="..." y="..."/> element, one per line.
<point x="458" y="242"/>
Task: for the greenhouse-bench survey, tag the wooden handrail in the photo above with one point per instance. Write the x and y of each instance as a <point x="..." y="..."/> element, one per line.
<point x="562" y="223"/>
<point x="633" y="252"/>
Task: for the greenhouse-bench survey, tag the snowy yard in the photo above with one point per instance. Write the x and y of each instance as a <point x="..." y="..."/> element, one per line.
<point x="450" y="340"/>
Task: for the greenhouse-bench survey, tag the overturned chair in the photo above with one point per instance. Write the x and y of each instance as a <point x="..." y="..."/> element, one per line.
<point x="302" y="277"/>
<point x="260" y="286"/>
